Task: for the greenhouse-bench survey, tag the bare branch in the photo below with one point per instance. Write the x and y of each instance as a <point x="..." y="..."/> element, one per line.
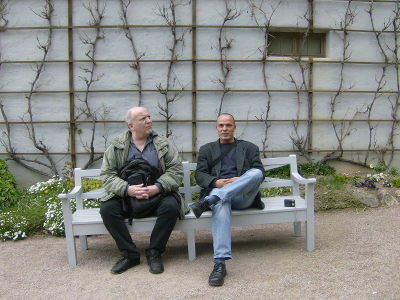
<point x="3" y="12"/>
<point x="97" y="15"/>
<point x="224" y="44"/>
<point x="136" y="66"/>
<point x="45" y="13"/>
<point x="169" y="16"/>
<point x="267" y="19"/>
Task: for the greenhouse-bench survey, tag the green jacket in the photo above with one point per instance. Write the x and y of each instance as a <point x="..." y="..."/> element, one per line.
<point x="116" y="155"/>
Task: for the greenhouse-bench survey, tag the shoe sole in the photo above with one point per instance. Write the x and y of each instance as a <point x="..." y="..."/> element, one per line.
<point x="117" y="273"/>
<point x="156" y="272"/>
<point x="218" y="284"/>
<point x="215" y="284"/>
<point x="196" y="212"/>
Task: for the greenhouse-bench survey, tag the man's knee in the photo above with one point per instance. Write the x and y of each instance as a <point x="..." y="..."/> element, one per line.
<point x="110" y="209"/>
<point x="169" y="206"/>
<point x="257" y="174"/>
<point x="222" y="208"/>
<point x="104" y="209"/>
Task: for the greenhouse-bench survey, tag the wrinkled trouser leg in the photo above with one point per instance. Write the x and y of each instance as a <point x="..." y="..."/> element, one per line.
<point x="239" y="194"/>
<point x="167" y="213"/>
<point x="113" y="218"/>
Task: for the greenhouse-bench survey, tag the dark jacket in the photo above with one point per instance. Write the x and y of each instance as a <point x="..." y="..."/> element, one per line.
<point x="247" y="157"/>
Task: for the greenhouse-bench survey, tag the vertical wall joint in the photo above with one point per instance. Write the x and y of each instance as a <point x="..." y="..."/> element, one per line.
<point x="71" y="85"/>
<point x="194" y="85"/>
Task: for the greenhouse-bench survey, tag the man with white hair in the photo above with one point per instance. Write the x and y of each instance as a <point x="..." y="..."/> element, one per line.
<point x="140" y="141"/>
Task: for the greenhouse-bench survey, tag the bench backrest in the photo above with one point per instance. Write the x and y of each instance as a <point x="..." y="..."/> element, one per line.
<point x="82" y="174"/>
<point x="273" y="163"/>
<point x="187" y="190"/>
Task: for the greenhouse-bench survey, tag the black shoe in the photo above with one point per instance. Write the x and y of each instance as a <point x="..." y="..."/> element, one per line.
<point x="124" y="264"/>
<point x="154" y="262"/>
<point x="257" y="203"/>
<point x="217" y="275"/>
<point x="199" y="207"/>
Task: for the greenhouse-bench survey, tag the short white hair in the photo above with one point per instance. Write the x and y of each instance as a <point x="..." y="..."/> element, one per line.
<point x="129" y="117"/>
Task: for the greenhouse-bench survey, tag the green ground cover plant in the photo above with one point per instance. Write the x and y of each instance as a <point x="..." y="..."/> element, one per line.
<point x="39" y="208"/>
<point x="394" y="171"/>
<point x="395" y="182"/>
<point x="9" y="192"/>
<point x="333" y="190"/>
<point x="28" y="214"/>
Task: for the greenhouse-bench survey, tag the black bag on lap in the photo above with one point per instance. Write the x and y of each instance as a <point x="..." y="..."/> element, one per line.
<point x="138" y="171"/>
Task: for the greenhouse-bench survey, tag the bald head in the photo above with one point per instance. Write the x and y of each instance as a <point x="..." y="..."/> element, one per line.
<point x="139" y="122"/>
<point x="131" y="113"/>
<point x="226" y="128"/>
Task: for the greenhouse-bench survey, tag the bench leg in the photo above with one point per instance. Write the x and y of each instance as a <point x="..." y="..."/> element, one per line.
<point x="191" y="244"/>
<point x="69" y="233"/>
<point x="71" y="248"/>
<point x="297" y="228"/>
<point x="83" y="242"/>
<point x="310" y="235"/>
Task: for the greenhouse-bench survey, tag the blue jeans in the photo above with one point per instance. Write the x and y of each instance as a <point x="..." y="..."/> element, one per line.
<point x="239" y="194"/>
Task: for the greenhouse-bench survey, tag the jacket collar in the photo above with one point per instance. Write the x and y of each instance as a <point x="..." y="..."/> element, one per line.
<point x="240" y="156"/>
<point x="122" y="141"/>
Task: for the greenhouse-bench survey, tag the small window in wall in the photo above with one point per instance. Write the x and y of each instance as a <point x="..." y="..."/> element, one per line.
<point x="294" y="43"/>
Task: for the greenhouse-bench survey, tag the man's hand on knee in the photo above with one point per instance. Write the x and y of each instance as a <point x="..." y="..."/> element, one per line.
<point x="223" y="182"/>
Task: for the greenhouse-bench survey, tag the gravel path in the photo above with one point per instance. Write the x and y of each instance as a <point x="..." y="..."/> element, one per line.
<point x="357" y="256"/>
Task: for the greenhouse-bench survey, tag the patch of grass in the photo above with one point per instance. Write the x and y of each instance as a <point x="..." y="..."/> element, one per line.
<point x="311" y="169"/>
<point x="274" y="192"/>
<point x="330" y="193"/>
<point x="89" y="184"/>
<point x="281" y="172"/>
<point x="331" y="182"/>
<point x="380" y="167"/>
<point x="303" y="169"/>
<point x="337" y="201"/>
<point x="395" y="182"/>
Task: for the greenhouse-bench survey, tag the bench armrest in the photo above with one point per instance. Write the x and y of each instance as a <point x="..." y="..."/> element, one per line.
<point x="76" y="191"/>
<point x="66" y="206"/>
<point x="309" y="196"/>
<point x="301" y="180"/>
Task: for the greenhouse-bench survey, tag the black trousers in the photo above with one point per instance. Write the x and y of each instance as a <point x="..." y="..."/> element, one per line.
<point x="113" y="218"/>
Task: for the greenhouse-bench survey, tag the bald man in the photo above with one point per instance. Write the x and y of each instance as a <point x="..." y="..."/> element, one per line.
<point x="140" y="141"/>
<point x="232" y="183"/>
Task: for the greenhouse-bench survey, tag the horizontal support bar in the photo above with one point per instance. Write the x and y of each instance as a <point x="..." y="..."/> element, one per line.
<point x="203" y="91"/>
<point x="270" y="59"/>
<point x="270" y="28"/>
<point x="200" y="121"/>
<point x="191" y="152"/>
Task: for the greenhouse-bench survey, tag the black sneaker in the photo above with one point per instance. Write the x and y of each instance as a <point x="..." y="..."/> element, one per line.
<point x="199" y="207"/>
<point x="217" y="275"/>
<point x="155" y="264"/>
<point x="124" y="264"/>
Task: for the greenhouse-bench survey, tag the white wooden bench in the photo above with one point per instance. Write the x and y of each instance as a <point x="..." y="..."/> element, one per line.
<point x="87" y="221"/>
